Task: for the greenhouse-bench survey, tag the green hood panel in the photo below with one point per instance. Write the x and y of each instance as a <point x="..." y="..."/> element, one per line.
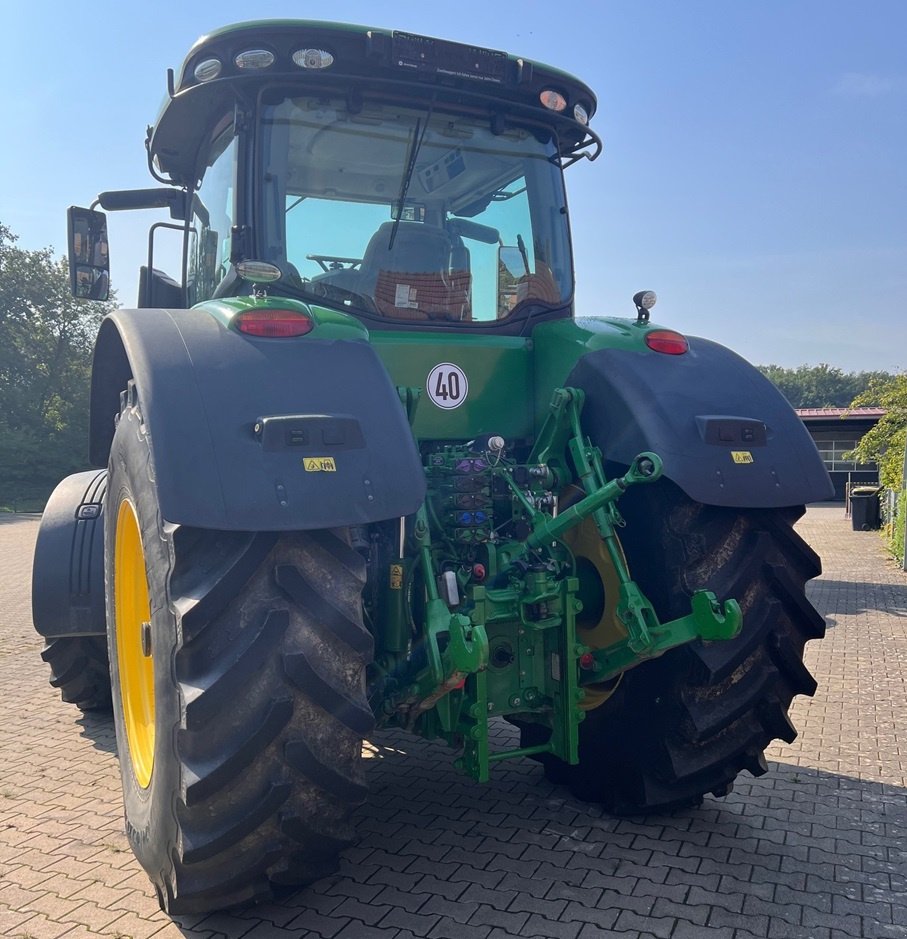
<point x="495" y="397"/>
<point x="509" y="379"/>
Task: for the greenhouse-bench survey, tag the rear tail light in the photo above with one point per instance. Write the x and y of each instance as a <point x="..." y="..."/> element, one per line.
<point x="273" y="324"/>
<point x="667" y="341"/>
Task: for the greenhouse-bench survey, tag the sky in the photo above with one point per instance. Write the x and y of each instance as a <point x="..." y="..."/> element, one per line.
<point x="754" y="172"/>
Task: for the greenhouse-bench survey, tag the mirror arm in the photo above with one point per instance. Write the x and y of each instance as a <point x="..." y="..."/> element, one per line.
<point x="119" y="200"/>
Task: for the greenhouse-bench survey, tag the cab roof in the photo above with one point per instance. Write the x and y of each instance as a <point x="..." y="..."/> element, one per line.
<point x="311" y="54"/>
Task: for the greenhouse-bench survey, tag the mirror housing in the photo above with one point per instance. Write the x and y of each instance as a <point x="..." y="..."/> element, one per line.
<point x="466" y="228"/>
<point x="89" y="254"/>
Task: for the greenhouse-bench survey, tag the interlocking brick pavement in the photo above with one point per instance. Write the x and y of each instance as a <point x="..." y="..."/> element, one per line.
<point x="815" y="848"/>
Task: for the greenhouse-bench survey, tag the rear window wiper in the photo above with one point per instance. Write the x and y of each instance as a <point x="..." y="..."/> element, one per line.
<point x="415" y="145"/>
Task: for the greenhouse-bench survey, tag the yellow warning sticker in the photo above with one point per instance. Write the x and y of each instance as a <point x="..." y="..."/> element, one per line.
<point x="319" y="464"/>
<point x="396" y="577"/>
<point x="741" y="456"/>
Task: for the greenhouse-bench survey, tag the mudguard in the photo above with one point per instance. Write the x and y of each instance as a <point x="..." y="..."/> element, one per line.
<point x="68" y="568"/>
<point x="726" y="434"/>
<point x="252" y="434"/>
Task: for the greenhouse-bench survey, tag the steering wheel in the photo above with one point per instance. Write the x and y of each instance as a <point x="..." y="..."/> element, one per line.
<point x="334" y="262"/>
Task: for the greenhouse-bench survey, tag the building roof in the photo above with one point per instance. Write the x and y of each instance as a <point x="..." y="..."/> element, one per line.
<point x="845" y="413"/>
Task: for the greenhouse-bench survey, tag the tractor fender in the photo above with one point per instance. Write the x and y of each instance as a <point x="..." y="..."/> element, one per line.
<point x="68" y="567"/>
<point x="726" y="435"/>
<point x="252" y="434"/>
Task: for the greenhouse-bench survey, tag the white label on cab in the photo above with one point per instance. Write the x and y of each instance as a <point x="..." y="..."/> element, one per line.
<point x="447" y="385"/>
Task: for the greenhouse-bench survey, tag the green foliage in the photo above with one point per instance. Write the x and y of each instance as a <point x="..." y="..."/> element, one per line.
<point x="897" y="532"/>
<point x="822" y="386"/>
<point x="46" y="337"/>
<point x="885" y="443"/>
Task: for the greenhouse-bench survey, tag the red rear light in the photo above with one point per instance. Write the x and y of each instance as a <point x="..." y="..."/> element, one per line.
<point x="273" y="324"/>
<point x="667" y="341"/>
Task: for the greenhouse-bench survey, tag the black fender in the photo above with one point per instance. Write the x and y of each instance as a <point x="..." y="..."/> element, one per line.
<point x="726" y="434"/>
<point x="253" y="434"/>
<point x="67" y="594"/>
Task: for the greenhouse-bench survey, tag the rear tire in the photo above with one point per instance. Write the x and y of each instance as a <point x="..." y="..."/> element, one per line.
<point x="259" y="656"/>
<point x="79" y="668"/>
<point x="688" y="723"/>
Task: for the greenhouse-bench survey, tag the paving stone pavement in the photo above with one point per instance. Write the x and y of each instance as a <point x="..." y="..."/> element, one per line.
<point x="815" y="848"/>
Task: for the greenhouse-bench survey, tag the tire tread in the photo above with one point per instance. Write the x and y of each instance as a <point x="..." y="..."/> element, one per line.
<point x="686" y="724"/>
<point x="80" y="669"/>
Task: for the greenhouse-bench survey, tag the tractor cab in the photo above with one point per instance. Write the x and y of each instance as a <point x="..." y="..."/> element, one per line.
<point x="408" y="181"/>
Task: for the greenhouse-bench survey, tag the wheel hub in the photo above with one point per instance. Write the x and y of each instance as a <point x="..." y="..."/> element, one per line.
<point x="132" y="612"/>
<point x="598" y="625"/>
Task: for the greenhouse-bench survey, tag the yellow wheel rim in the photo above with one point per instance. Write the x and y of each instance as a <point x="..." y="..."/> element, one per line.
<point x="597" y="625"/>
<point x="133" y="614"/>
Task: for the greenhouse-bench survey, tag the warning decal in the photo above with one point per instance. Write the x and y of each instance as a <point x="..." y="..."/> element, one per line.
<point x="319" y="464"/>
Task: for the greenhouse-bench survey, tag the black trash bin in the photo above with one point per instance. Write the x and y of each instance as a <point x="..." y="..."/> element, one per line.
<point x="865" y="509"/>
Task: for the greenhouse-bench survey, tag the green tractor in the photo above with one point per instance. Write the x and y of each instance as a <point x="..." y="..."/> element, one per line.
<point x="365" y="469"/>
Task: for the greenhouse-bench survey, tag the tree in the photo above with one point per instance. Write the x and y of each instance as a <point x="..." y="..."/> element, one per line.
<point x="46" y="338"/>
<point x="821" y="386"/>
<point x="886" y="444"/>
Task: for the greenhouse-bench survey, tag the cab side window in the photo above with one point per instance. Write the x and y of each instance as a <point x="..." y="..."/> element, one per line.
<point x="213" y="215"/>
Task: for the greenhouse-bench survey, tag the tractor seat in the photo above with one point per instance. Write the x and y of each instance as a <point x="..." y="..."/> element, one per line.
<point x="412" y="280"/>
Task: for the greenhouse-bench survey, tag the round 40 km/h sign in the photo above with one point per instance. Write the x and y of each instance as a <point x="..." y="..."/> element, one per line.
<point x="447" y="385"/>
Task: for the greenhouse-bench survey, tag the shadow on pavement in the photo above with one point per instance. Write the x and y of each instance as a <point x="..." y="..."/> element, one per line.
<point x="793" y="851"/>
<point x="850" y="598"/>
<point x="97" y="726"/>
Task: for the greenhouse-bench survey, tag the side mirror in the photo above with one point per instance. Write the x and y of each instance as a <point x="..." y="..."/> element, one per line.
<point x="89" y="254"/>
